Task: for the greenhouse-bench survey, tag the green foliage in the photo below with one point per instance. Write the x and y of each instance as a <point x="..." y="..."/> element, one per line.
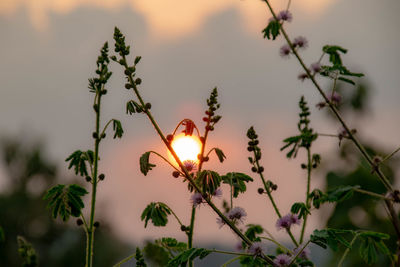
<point x="371" y="243"/>
<point x="133" y="107"/>
<point x="300" y="208"/>
<point x="120" y="46"/>
<point x="145" y="165"/>
<point x="139" y="258"/>
<point x="65" y="201"/>
<point x="163" y="250"/>
<point x="157" y="212"/>
<point x="27" y="253"/>
<point x="220" y="154"/>
<point x="212" y="101"/>
<point x="188" y="255"/>
<point x="252" y="231"/>
<point x="337" y="67"/>
<point x="171" y="244"/>
<point x="331" y="238"/>
<point x="238" y="181"/>
<point x="117" y="127"/>
<point x="337" y="195"/>
<point x="306" y="136"/>
<point x="272" y="30"/>
<point x="78" y="160"/>
<point x="251" y="261"/>
<point x="209" y="181"/>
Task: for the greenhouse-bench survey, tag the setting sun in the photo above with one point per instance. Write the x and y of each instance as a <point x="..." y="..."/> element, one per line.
<point x="186" y="147"/>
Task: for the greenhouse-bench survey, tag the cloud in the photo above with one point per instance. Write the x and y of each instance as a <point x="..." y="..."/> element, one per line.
<point x="167" y="19"/>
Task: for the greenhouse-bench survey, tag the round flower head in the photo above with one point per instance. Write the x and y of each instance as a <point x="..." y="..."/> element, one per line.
<point x="190" y="165"/>
<point x="237" y="214"/>
<point x="256" y="248"/>
<point x="284" y="51"/>
<point x="196" y="199"/>
<point x="305" y="254"/>
<point x="217" y="192"/>
<point x="302" y="76"/>
<point x="300" y="42"/>
<point x="294" y="219"/>
<point x="239" y="246"/>
<point x="285" y="15"/>
<point x="282" y="260"/>
<point x="315" y="67"/>
<point x="335" y="98"/>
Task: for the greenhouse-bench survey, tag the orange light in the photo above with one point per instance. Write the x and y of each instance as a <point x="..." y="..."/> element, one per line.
<point x="186" y="147"/>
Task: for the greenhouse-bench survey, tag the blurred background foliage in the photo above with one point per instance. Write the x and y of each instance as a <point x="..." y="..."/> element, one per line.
<point x="28" y="175"/>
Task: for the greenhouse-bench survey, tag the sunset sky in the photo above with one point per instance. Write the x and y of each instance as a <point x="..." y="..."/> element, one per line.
<point x="49" y="48"/>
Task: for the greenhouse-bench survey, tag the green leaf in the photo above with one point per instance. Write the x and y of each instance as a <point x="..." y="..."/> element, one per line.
<point x="78" y="160"/>
<point x="65" y="201"/>
<point x="272" y="30"/>
<point x="347" y="80"/>
<point x="371" y="243"/>
<point x="139" y="259"/>
<point x="333" y="52"/>
<point x="145" y="165"/>
<point x="133" y="107"/>
<point x="220" y="154"/>
<point x="330" y="238"/>
<point x="237" y="180"/>
<point x="188" y="255"/>
<point x="300" y="208"/>
<point x="339" y="194"/>
<point x="27" y="253"/>
<point x="157" y="212"/>
<point x="209" y="181"/>
<point x="156" y="255"/>
<point x="117" y="127"/>
<point x="252" y="231"/>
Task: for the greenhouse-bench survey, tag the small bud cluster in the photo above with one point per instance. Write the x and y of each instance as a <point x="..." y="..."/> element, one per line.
<point x="211" y="119"/>
<point x="96" y="85"/>
<point x="344" y="134"/>
<point x="253" y="147"/>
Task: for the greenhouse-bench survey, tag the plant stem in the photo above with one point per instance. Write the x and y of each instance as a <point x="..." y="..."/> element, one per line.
<point x="276" y="243"/>
<point x="190" y="234"/>
<point x="230" y="261"/>
<point x="340" y="264"/>
<point x="370" y="193"/>
<point x="257" y="163"/>
<point x="187" y="175"/>
<point x="299" y="252"/>
<point x="229" y="252"/>
<point x="167" y="161"/>
<point x="391" y="154"/>
<point x="90" y="230"/>
<point x="124" y="260"/>
<point x="309" y="168"/>
<point x="360" y="147"/>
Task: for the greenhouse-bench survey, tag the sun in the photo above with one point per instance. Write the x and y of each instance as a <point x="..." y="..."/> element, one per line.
<point x="186" y="147"/>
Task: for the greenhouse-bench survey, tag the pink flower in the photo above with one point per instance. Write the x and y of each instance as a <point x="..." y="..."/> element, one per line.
<point x="315" y="67"/>
<point x="217" y="192"/>
<point x="256" y="248"/>
<point x="190" y="165"/>
<point x="287" y="221"/>
<point x="285" y="15"/>
<point x="305" y="254"/>
<point x="237" y="214"/>
<point x="302" y="76"/>
<point x="220" y="222"/>
<point x="282" y="260"/>
<point x="335" y="98"/>
<point x="300" y="42"/>
<point x="284" y="51"/>
<point x="196" y="199"/>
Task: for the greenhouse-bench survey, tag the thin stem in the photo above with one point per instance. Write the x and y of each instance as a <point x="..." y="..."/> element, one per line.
<point x="288" y="4"/>
<point x="173" y="213"/>
<point x="230" y="261"/>
<point x="229" y="252"/>
<point x="124" y="260"/>
<point x="340" y="264"/>
<point x="277" y="243"/>
<point x="299" y="252"/>
<point x="257" y="163"/>
<point x="90" y="228"/>
<point x="360" y="147"/>
<point x="391" y="154"/>
<point x="187" y="175"/>
<point x="84" y="222"/>
<point x="362" y="191"/>
<point x="309" y="168"/>
<point x="329" y="135"/>
<point x="105" y="127"/>
<point x="191" y="229"/>
<point x="167" y="161"/>
<point x="180" y="123"/>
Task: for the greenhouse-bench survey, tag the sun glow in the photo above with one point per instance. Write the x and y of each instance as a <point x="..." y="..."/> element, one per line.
<point x="186" y="147"/>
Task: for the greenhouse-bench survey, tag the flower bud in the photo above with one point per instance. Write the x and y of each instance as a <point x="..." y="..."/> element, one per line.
<point x="102" y="176"/>
<point x="254" y="169"/>
<point x="79" y="222"/>
<point x="103" y="135"/>
<point x="274" y="187"/>
<point x="128" y="86"/>
<point x="95" y="135"/>
<point x="96" y="224"/>
<point x="88" y="178"/>
<point x="261" y="169"/>
<point x="138" y="81"/>
<point x="175" y="174"/>
<point x="170" y="137"/>
<point x="183" y="228"/>
<point x="260" y="190"/>
<point x="148" y="106"/>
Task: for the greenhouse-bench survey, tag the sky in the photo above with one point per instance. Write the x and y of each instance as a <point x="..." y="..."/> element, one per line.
<point x="48" y="51"/>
